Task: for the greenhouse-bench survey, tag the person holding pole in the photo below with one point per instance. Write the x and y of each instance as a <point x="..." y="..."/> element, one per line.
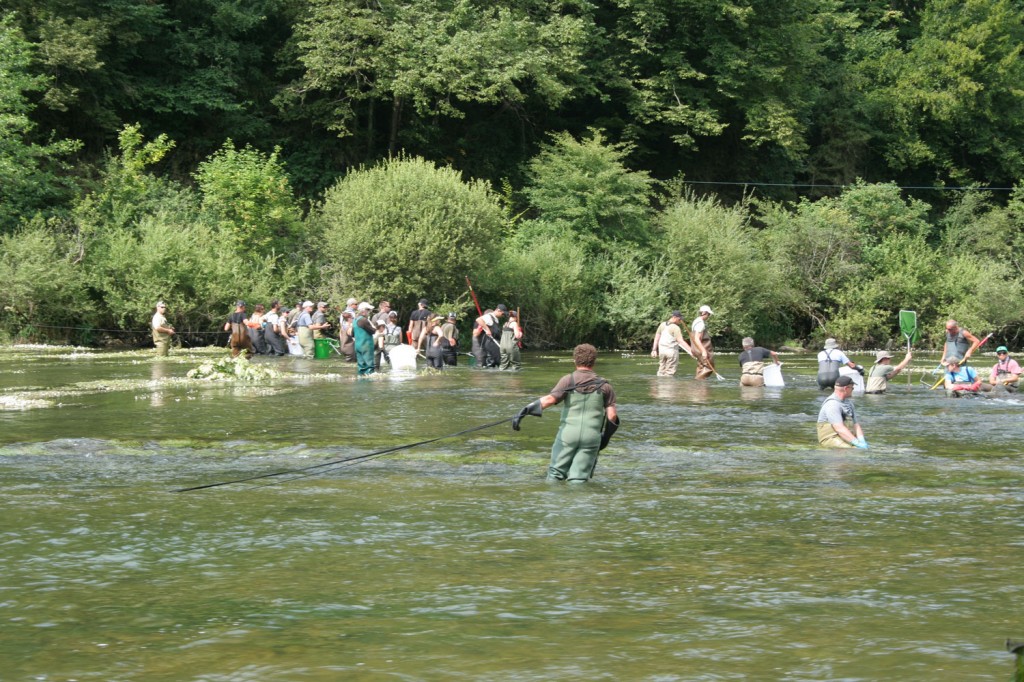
<point x="960" y="344"/>
<point x="700" y="343"/>
<point x="589" y="418"/>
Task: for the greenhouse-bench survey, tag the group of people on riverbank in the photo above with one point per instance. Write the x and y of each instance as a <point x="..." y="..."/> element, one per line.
<point x="365" y="334"/>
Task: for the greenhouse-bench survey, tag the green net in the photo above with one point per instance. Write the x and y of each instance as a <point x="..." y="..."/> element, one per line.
<point x="908" y="324"/>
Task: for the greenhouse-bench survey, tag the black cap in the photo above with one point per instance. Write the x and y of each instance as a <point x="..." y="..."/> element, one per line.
<point x="452" y="316"/>
<point x="502" y="308"/>
<point x="844" y="381"/>
<point x="239" y="303"/>
<point x="424" y="301"/>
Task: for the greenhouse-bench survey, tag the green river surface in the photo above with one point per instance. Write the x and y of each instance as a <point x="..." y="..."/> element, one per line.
<point x="716" y="542"/>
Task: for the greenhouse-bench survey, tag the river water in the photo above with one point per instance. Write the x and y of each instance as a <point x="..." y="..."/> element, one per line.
<point x="716" y="542"/>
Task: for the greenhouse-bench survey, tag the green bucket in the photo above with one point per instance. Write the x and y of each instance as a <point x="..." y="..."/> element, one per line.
<point x="322" y="349"/>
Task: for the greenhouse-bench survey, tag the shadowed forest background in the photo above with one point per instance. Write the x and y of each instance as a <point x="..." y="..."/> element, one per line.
<point x="806" y="167"/>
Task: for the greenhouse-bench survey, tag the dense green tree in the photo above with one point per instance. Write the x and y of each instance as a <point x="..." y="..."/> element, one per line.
<point x="29" y="169"/>
<point x="586" y="186"/>
<point x="404" y="229"/>
<point x="248" y="196"/>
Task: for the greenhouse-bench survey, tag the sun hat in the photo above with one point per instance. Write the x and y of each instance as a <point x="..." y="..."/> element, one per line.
<point x="830" y="344"/>
<point x="706" y="309"/>
<point x="882" y="355"/>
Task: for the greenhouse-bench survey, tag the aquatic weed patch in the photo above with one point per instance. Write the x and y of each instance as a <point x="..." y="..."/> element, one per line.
<point x="233" y="369"/>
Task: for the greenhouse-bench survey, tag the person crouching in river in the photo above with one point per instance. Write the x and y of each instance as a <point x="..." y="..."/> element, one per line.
<point x="883" y="370"/>
<point x="589" y="418"/>
<point x="838" y="426"/>
<point x="752" y="363"/>
<point x="1006" y="371"/>
<point x="960" y="379"/>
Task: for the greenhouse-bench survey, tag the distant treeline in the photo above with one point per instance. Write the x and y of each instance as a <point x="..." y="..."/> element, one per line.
<point x="555" y="152"/>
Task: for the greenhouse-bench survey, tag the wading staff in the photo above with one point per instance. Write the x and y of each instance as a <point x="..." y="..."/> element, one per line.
<point x="964" y="362"/>
<point x="343" y="461"/>
<point x="479" y="312"/>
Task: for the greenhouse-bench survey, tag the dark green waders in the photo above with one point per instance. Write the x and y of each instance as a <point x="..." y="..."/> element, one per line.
<point x="575" y="450"/>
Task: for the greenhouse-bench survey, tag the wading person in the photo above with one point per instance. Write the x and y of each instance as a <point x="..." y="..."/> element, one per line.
<point x="432" y="341"/>
<point x="960" y="379"/>
<point x="589" y="418"/>
<point x="450" y="331"/>
<point x="346" y="338"/>
<point x="700" y="344"/>
<point x="883" y="371"/>
<point x="392" y="335"/>
<point x="276" y="344"/>
<point x="304" y="329"/>
<point x="239" y="340"/>
<point x="162" y="330"/>
<point x="363" y="331"/>
<point x="256" y="332"/>
<point x="667" y="342"/>
<point x="511" y="358"/>
<point x="829" y="362"/>
<point x="490" y="332"/>
<point x="418" y="320"/>
<point x="752" y="363"/>
<point x="381" y="316"/>
<point x="838" y="426"/>
<point x="960" y="344"/>
<point x="1006" y="371"/>
<point x="320" y="322"/>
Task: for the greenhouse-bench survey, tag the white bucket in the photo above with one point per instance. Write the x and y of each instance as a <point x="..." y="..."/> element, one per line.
<point x="403" y="358"/>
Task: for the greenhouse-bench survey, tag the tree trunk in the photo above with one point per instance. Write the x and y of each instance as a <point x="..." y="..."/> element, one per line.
<point x="396" y="117"/>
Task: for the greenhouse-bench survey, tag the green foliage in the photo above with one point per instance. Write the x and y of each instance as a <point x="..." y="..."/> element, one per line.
<point x="45" y="287"/>
<point x="406" y="228"/>
<point x="247" y="195"/>
<point x="637" y="297"/>
<point x="714" y="257"/>
<point x="29" y="171"/>
<point x="587" y="186"/>
<point x="557" y="285"/>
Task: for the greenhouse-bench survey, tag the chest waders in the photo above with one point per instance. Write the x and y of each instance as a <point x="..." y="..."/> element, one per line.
<point x="752" y="372"/>
<point x="956" y="345"/>
<point x="364" y="349"/>
<point x="491" y="348"/>
<point x="827" y="434"/>
<point x="510" y="357"/>
<point x="878" y="379"/>
<point x="576" y="447"/>
<point x="828" y="372"/>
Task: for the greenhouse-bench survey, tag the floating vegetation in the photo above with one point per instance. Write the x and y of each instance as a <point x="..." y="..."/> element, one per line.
<point x="233" y="369"/>
<point x="15" y="402"/>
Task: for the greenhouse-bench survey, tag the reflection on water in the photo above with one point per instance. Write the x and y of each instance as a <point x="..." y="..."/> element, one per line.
<point x="716" y="541"/>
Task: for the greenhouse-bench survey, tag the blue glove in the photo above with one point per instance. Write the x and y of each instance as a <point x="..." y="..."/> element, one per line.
<point x="860" y="443"/>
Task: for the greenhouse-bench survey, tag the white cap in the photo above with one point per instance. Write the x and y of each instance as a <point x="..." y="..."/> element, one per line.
<point x="307" y="304"/>
<point x="351" y="301"/>
<point x="706" y="309"/>
<point x="364" y="306"/>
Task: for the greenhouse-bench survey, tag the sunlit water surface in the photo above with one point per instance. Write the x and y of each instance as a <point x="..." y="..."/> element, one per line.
<point x="717" y="542"/>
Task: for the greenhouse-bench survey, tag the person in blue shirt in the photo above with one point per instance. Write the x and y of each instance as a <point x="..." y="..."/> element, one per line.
<point x="960" y="379"/>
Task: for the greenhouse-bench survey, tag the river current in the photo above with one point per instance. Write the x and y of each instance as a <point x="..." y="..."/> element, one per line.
<point x="716" y="541"/>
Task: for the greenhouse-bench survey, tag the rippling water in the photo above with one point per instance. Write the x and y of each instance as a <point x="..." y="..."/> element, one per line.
<point x="716" y="542"/>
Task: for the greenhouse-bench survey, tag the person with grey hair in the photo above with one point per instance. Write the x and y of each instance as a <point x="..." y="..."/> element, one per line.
<point x="752" y="363"/>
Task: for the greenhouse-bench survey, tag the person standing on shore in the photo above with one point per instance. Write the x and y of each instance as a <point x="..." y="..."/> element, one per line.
<point x="700" y="344"/>
<point x="162" y="330"/>
<point x="667" y="342"/>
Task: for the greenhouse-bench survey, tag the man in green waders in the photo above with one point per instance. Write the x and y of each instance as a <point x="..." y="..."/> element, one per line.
<point x="363" y="330"/>
<point x="589" y="418"/>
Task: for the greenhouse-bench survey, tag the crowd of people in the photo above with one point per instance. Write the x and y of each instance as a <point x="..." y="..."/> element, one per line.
<point x="364" y="334"/>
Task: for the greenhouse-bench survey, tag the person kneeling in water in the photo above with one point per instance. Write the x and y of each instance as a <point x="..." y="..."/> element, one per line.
<point x="838" y="426"/>
<point x="589" y="418"/>
<point x="960" y="380"/>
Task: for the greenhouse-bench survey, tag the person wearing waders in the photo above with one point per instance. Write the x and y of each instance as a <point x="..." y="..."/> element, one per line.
<point x="490" y="332"/>
<point x="363" y="332"/>
<point x="883" y="371"/>
<point x="510" y="335"/>
<point x="752" y="362"/>
<point x="838" y="426"/>
<point x="829" y="362"/>
<point x="589" y="418"/>
<point x="960" y="344"/>
<point x="450" y="352"/>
